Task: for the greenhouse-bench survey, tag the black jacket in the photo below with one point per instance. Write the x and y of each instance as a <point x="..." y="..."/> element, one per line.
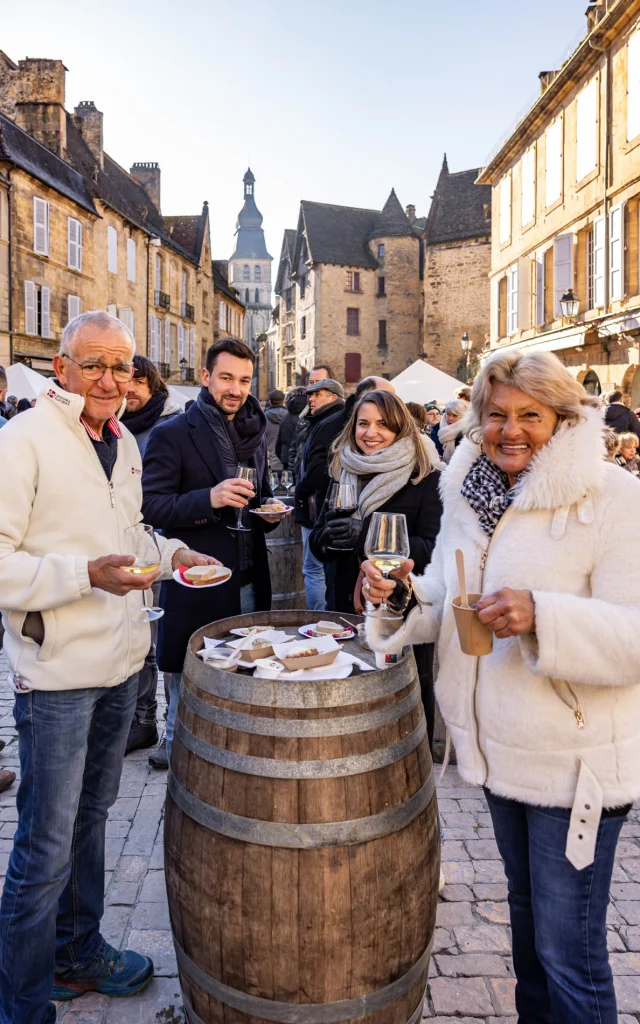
<point x="312" y="483"/>
<point x="421" y="505"/>
<point x="621" y="419"/>
<point x="436" y="440"/>
<point x="181" y="465"/>
<point x="286" y="435"/>
<point x="299" y="440"/>
<point x="275" y="414"/>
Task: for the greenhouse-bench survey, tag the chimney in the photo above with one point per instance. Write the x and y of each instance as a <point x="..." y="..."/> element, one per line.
<point x="148" y="175"/>
<point x="546" y="78"/>
<point x="88" y="120"/>
<point x="39" y="105"/>
<point x="411" y="213"/>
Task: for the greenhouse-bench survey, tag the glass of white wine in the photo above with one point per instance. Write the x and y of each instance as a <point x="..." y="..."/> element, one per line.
<point x="386" y="547"/>
<point x="287" y="480"/>
<point x="140" y="541"/>
<point x="243" y="473"/>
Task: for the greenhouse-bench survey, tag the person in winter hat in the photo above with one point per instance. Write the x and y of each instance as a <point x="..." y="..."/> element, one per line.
<point x="619" y="418"/>
<point x="549" y="721"/>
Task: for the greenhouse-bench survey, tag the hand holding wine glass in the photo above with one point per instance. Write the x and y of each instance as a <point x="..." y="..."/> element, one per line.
<point x="342" y="502"/>
<point x="387" y="548"/>
<point x="248" y="474"/>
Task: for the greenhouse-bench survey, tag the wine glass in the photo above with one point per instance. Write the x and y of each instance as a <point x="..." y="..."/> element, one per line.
<point x="140" y="541"/>
<point x="386" y="547"/>
<point x="287" y="480"/>
<point x="343" y="502"/>
<point x="243" y="473"/>
<point x="274" y="481"/>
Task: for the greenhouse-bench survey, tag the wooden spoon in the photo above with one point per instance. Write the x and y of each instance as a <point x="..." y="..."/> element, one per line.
<point x="462" y="579"/>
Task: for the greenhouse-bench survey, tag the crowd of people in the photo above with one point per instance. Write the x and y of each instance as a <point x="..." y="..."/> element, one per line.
<point x="521" y="474"/>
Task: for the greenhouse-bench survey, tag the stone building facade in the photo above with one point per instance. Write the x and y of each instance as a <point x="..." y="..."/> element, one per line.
<point x="5" y="336"/>
<point x="228" y="308"/>
<point x="566" y="206"/>
<point x="349" y="293"/>
<point x="86" y="234"/>
<point x="456" y="269"/>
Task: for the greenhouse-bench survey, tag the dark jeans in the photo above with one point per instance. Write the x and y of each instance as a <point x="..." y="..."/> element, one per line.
<point x="71" y="745"/>
<point x="558" y="915"/>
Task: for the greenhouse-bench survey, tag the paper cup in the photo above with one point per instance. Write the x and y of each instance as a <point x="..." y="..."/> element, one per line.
<point x="475" y="639"/>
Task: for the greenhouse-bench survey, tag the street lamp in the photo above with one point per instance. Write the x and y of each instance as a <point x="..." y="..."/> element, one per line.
<point x="183" y="369"/>
<point x="466" y="344"/>
<point x="569" y="305"/>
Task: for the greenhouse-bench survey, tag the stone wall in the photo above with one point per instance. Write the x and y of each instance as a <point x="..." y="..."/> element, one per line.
<point x="456" y="299"/>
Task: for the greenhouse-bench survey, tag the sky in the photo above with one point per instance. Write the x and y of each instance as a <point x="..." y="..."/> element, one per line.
<point x="334" y="101"/>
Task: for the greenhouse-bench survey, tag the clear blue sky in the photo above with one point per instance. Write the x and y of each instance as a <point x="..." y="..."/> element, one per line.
<point x="335" y="101"/>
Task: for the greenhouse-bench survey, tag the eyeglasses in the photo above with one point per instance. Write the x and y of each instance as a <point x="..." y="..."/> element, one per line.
<point x="121" y="373"/>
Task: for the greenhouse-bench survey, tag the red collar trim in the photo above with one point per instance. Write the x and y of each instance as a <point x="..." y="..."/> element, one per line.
<point x="112" y="424"/>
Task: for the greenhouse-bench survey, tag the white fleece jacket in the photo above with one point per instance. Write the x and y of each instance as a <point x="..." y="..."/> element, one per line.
<point x="572" y="537"/>
<point x="58" y="511"/>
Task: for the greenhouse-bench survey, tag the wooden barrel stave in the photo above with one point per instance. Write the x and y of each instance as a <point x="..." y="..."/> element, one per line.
<point x="314" y="951"/>
<point x="284" y="553"/>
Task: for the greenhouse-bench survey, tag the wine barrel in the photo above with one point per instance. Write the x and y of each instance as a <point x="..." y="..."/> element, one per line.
<point x="301" y="843"/>
<point x="284" y="551"/>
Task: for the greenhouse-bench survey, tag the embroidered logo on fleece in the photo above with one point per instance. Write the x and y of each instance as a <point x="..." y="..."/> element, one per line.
<point x="134" y="470"/>
<point x="58" y="398"/>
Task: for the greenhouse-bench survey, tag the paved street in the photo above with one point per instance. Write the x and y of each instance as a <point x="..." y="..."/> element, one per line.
<point x="472" y="976"/>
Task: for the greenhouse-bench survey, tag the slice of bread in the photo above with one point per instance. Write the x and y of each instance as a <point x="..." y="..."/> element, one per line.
<point x="324" y="626"/>
<point x="199" y="575"/>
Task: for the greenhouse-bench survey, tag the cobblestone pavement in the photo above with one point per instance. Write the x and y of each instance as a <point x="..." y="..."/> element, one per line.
<point x="471" y="972"/>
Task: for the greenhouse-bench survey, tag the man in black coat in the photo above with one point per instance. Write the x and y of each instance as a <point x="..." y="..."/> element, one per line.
<point x="295" y="402"/>
<point x="619" y="418"/>
<point x="319" y="372"/>
<point x="191" y="489"/>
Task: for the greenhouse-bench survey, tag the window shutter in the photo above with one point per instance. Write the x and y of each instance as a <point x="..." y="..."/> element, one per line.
<point x="153" y="338"/>
<point x="512" y="299"/>
<point x="40" y="226"/>
<point x="29" y="307"/>
<point x="523" y="317"/>
<point x="112" y="309"/>
<point x="131" y="260"/>
<point x="505" y="209"/>
<point x="633" y="87"/>
<point x="496" y="310"/>
<point x="528" y="186"/>
<point x="72" y="243"/>
<point x="587" y="123"/>
<point x="221" y="319"/>
<point x="352" y="367"/>
<point x="192" y="346"/>
<point x="158" y="272"/>
<point x="562" y="269"/>
<point x="79" y="244"/>
<point x="540" y="285"/>
<point x="167" y="341"/>
<point x="45" y="312"/>
<point x="598" y="263"/>
<point x="73" y="307"/>
<point x="112" y="250"/>
<point x="182" y="342"/>
<point x="553" y="162"/>
<point x="616" y="252"/>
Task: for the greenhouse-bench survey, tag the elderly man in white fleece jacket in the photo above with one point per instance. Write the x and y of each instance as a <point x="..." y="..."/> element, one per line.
<point x="71" y="486"/>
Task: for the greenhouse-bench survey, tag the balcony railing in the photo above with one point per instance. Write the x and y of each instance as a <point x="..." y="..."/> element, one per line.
<point x="189" y="374"/>
<point x="162" y="299"/>
<point x="188" y="312"/>
<point x="164" y="369"/>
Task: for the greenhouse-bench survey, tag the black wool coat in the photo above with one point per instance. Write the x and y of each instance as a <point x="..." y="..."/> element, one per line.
<point x="312" y="484"/>
<point x="421" y="505"/>
<point x="181" y="464"/>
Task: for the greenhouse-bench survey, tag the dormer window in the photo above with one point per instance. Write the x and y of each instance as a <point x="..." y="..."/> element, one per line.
<point x="381" y="251"/>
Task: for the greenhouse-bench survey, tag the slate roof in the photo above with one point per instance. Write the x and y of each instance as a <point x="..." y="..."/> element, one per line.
<point x="392" y="221"/>
<point x="188" y="232"/>
<point x="287" y="254"/>
<point x="23" y="151"/>
<point x="458" y="208"/>
<point x="336" y="234"/>
<point x="219" y="270"/>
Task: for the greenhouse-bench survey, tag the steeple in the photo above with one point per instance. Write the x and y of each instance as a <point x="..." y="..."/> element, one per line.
<point x="250" y="241"/>
<point x="444" y="170"/>
<point x="392" y="221"/>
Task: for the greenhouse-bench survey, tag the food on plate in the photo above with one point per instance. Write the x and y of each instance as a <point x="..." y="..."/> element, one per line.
<point x="274" y="508"/>
<point x="260" y="643"/>
<point x="324" y="626"/>
<point x="244" y="630"/>
<point x="306" y="652"/>
<point x="199" y="575"/>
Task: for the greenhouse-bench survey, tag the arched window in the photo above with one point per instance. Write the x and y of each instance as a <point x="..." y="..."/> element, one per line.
<point x="257" y="274"/>
<point x="257" y="295"/>
<point x="246" y="272"/>
<point x="246" y="296"/>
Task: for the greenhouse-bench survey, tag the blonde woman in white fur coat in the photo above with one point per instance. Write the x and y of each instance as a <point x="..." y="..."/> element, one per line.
<point x="549" y="722"/>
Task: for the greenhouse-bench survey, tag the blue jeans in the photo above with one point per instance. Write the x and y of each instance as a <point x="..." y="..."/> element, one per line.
<point x="314" y="580"/>
<point x="71" y="745"/>
<point x="558" y="915"/>
<point x="172" y="686"/>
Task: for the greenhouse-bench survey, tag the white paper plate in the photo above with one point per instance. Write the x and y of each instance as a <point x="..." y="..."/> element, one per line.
<point x="311" y="634"/>
<point x="276" y="511"/>
<point x="203" y="586"/>
<point x="244" y="630"/>
<point x="340" y="669"/>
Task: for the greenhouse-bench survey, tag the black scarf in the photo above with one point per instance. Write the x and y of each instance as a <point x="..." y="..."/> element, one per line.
<point x="147" y="417"/>
<point x="487" y="490"/>
<point x="239" y="438"/>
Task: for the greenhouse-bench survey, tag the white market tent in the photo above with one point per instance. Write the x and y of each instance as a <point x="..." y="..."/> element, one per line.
<point x="423" y="383"/>
<point x="23" y="382"/>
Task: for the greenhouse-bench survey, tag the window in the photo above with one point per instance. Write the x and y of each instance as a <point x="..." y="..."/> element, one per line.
<point x="562" y="269"/>
<point x="382" y="335"/>
<point x="205" y="305"/>
<point x="303" y="327"/>
<point x="288" y="299"/>
<point x="633" y="86"/>
<point x="182" y="342"/>
<point x="167" y="342"/>
<point x="112" y="309"/>
<point x="528" y="187"/>
<point x="587" y="130"/>
<point x="192" y="346"/>
<point x="553" y="163"/>
<point x="289" y="375"/>
<point x="37" y="309"/>
<point x="112" y="250"/>
<point x="183" y="293"/>
<point x="539" y="290"/>
<point x="158" y="272"/>
<point x="246" y="272"/>
<point x="597" y="245"/>
<point x="155" y="339"/>
<point x="288" y="335"/>
<point x="505" y="209"/>
<point x="74" y="243"/>
<point x="616" y="252"/>
<point x="131" y="260"/>
<point x="353" y="281"/>
<point x="381" y="250"/>
<point x="353" y="321"/>
<point x="128" y="318"/>
<point x="257" y="295"/>
<point x="222" y="315"/>
<point x="257" y="273"/>
<point x="352" y="367"/>
<point x="381" y="290"/>
<point x="512" y="299"/>
<point x="73" y="307"/>
<point x="302" y="284"/>
<point x="246" y="296"/>
<point x="40" y="226"/>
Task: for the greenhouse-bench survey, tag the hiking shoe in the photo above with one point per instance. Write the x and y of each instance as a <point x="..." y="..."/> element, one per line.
<point x="141" y="736"/>
<point x="113" y="972"/>
<point x="158" y="757"/>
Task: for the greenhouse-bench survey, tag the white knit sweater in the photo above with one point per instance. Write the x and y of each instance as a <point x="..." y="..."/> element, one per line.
<point x="58" y="511"/>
